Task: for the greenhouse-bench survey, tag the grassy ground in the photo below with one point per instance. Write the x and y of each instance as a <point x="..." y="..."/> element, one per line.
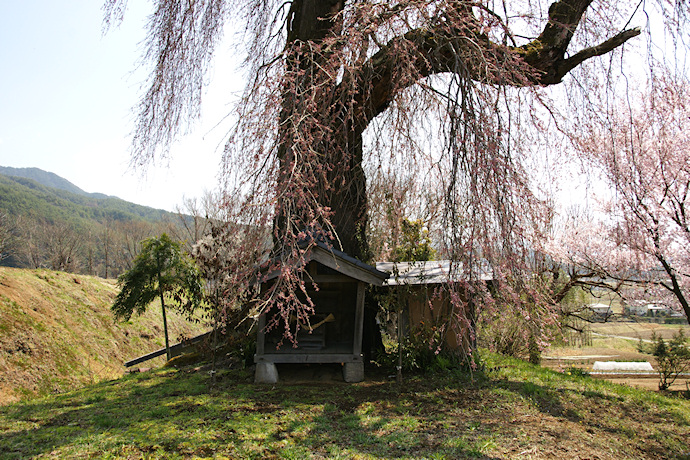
<point x="514" y="410"/>
<point x="57" y="332"/>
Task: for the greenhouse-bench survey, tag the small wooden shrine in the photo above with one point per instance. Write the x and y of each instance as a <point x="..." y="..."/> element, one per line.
<point x="334" y="333"/>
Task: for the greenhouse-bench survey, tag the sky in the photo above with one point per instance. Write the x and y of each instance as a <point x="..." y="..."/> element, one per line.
<point x="66" y="96"/>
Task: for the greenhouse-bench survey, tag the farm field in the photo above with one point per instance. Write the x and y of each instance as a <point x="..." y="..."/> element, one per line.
<point x="616" y="341"/>
<point x="637" y="330"/>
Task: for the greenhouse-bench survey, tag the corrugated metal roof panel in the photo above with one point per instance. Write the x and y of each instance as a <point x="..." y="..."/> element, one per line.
<point x="428" y="272"/>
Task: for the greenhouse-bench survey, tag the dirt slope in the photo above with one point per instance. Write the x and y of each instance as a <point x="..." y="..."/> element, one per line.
<point x="57" y="332"/>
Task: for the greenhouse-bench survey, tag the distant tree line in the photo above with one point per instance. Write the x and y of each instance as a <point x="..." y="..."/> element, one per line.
<point x="103" y="248"/>
<point x="49" y="231"/>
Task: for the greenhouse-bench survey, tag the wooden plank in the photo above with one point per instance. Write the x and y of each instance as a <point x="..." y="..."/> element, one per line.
<point x="146" y="357"/>
<point x="318" y="279"/>
<point x="308" y="358"/>
<point x="261" y="336"/>
<point x="346" y="268"/>
<point x="175" y="350"/>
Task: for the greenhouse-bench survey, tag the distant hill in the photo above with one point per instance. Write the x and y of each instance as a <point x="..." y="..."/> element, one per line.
<point x="47" y="179"/>
<point x="21" y="195"/>
<point x="55" y="224"/>
<point x="57" y="332"/>
<point x="23" y="185"/>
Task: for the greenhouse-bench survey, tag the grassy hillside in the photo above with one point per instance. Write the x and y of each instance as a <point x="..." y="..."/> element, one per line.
<point x="515" y="410"/>
<point x="57" y="332"/>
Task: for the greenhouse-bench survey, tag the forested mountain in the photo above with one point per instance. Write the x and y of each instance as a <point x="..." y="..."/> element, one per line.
<point x="32" y="190"/>
<point x="46" y="221"/>
<point x="46" y="178"/>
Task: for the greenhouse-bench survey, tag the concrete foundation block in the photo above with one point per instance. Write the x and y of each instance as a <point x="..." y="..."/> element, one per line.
<point x="266" y="373"/>
<point x="353" y="372"/>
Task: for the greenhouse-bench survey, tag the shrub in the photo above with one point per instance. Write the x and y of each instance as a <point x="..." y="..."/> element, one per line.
<point x="420" y="353"/>
<point x="673" y="358"/>
<point x="511" y="337"/>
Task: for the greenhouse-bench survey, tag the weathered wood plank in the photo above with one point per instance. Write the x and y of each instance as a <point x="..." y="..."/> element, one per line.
<point x="261" y="336"/>
<point x="175" y="350"/>
<point x="336" y="263"/>
<point x="307" y="358"/>
<point x="359" y="319"/>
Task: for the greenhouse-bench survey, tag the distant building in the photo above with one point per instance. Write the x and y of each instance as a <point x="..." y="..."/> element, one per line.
<point x="600" y="311"/>
<point x="649" y="309"/>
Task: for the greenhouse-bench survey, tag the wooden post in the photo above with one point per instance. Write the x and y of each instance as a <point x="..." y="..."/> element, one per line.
<point x="359" y="321"/>
<point x="261" y="336"/>
<point x="165" y="319"/>
<point x="398" y="375"/>
<point x="165" y="330"/>
<point x="159" y="266"/>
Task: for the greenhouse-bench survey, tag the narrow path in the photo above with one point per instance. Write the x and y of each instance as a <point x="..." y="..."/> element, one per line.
<point x="578" y="357"/>
<point x="621" y="337"/>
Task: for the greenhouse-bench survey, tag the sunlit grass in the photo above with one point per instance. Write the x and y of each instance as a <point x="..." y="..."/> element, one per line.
<point x="512" y="408"/>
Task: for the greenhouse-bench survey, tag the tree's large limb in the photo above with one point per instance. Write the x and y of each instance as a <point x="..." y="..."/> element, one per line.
<point x="543" y="61"/>
<point x="609" y="45"/>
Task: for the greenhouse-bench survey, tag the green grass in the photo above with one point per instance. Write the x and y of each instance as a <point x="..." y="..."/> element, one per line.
<point x="513" y="409"/>
<point x="57" y="332"/>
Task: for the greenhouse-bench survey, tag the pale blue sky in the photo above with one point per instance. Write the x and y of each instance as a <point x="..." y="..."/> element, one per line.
<point x="66" y="93"/>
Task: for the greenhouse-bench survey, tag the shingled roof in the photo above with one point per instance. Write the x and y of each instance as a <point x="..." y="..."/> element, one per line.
<point x="339" y="261"/>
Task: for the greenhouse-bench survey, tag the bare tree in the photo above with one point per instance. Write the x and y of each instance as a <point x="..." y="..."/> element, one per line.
<point x="106" y="240"/>
<point x="62" y="243"/>
<point x="31" y="246"/>
<point x="131" y="235"/>
<point x="7" y="228"/>
<point x="195" y="218"/>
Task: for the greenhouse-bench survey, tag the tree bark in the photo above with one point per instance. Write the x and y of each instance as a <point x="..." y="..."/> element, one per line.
<point x="340" y="114"/>
<point x="335" y="175"/>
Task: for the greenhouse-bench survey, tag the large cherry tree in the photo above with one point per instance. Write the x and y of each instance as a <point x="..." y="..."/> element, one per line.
<point x="343" y="93"/>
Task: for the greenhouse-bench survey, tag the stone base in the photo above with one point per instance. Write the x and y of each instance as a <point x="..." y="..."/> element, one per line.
<point x="266" y="373"/>
<point x="353" y="372"/>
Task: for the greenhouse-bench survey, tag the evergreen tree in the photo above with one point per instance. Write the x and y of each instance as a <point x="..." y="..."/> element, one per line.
<point x="160" y="270"/>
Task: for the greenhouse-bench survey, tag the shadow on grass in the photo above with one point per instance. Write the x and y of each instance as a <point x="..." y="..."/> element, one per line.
<point x="605" y="412"/>
<point x="169" y="414"/>
<point x="173" y="414"/>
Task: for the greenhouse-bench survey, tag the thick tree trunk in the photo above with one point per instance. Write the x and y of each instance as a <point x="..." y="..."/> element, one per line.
<point x="347" y="198"/>
<point x="326" y="150"/>
<point x="327" y="107"/>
